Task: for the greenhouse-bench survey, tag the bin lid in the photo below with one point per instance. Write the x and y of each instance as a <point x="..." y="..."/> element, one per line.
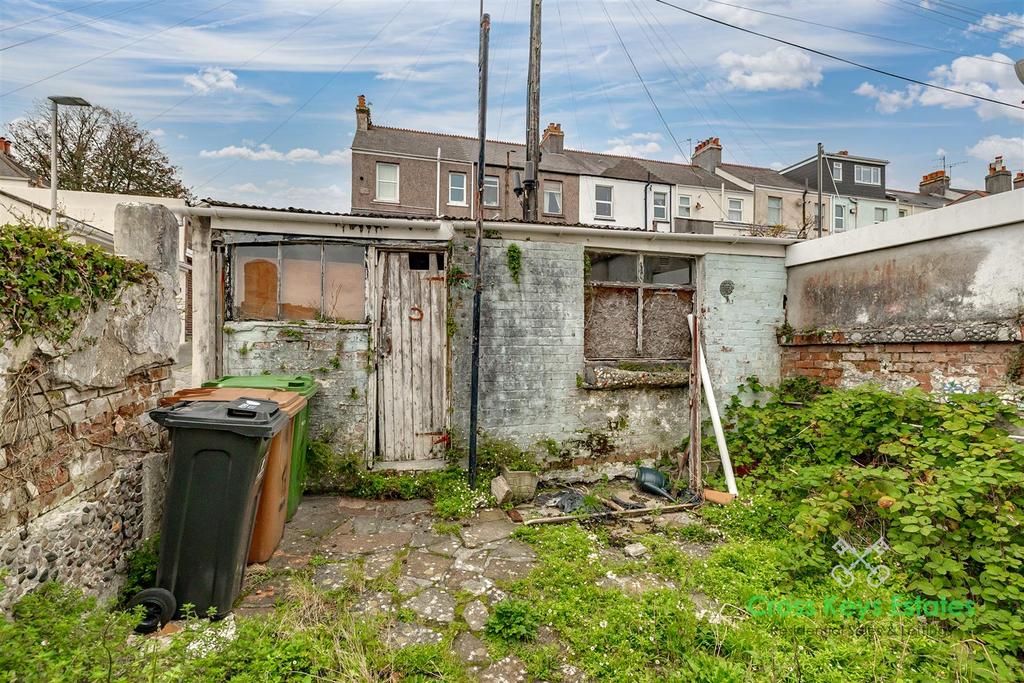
<point x="303" y="384"/>
<point x="289" y="401"/>
<point x="245" y="416"/>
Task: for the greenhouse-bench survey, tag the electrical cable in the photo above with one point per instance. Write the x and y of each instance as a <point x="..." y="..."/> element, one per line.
<point x="842" y="59"/>
<point x="250" y="59"/>
<point x="116" y="49"/>
<point x="970" y="10"/>
<point x="969" y="22"/>
<point x="74" y="26"/>
<point x="419" y="57"/>
<point x="508" y="65"/>
<point x="858" y="33"/>
<point x="315" y="94"/>
<point x="710" y="82"/>
<point x="657" y="109"/>
<point x="572" y="81"/>
<point x="600" y="74"/>
<point x="51" y="16"/>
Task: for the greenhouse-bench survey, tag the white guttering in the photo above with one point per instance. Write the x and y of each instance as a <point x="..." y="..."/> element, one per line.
<point x="295" y="217"/>
<point x="648" y="235"/>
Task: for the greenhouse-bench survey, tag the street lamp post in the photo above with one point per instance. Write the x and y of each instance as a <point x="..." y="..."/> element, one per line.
<point x="55" y="101"/>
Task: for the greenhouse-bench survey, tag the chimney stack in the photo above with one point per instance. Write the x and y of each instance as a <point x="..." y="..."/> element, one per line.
<point x="553" y="141"/>
<point x="935" y="183"/>
<point x="1018" y="180"/>
<point x="998" y="178"/>
<point x="708" y="154"/>
<point x="5" y="146"/>
<point x="363" y="121"/>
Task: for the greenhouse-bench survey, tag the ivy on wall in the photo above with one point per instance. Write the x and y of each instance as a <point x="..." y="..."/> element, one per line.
<point x="46" y="281"/>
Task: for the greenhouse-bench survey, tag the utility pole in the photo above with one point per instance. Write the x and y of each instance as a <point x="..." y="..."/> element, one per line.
<point x="531" y="204"/>
<point x="474" y="372"/>
<point x="821" y="153"/>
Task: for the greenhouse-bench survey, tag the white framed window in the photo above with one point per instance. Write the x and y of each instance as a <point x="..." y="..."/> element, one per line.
<point x="838" y="218"/>
<point x="735" y="210"/>
<point x="387" y="183"/>
<point x="683" y="206"/>
<point x="457" y="188"/>
<point x="881" y="214"/>
<point x="774" y="210"/>
<point x="904" y="212"/>
<point x="603" y="203"/>
<point x="867" y="175"/>
<point x="661" y="206"/>
<point x="837" y="170"/>
<point x="553" y="197"/>
<point x="490" y="190"/>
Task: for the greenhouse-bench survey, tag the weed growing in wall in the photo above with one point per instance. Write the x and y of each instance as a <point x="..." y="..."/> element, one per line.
<point x="514" y="259"/>
<point x="48" y="281"/>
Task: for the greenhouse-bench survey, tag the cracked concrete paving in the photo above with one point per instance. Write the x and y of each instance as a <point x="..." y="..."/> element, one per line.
<point x="421" y="582"/>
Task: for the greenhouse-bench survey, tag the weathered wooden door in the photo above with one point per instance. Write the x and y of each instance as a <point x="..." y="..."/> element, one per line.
<point x="411" y="359"/>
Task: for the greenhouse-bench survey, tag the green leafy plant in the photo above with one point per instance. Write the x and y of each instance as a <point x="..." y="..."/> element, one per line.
<point x="514" y="259"/>
<point x="513" y="621"/>
<point x="48" y="282"/>
<point x="141" y="569"/>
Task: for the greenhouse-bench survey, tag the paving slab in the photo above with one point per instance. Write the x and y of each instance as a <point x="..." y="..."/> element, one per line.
<point x="479" y="533"/>
<point x="317" y="515"/>
<point x="376" y="602"/>
<point x="404" y="635"/>
<point x="343" y="545"/>
<point x="512" y="549"/>
<point x="447" y="546"/>
<point x="378" y="564"/>
<point x="507" y="570"/>
<point x="408" y="586"/>
<point x="264" y="597"/>
<point x="470" y="649"/>
<point x="423" y="565"/>
<point x="433" y="604"/>
<point x="508" y="670"/>
<point x="333" y="576"/>
<point x="475" y="615"/>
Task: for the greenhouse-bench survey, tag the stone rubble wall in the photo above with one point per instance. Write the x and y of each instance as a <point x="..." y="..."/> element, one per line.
<point x="81" y="463"/>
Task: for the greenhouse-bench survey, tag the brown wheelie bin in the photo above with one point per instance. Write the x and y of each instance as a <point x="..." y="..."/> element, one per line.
<point x="273" y="504"/>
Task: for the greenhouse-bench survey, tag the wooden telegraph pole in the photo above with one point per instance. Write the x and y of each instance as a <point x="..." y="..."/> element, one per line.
<point x="531" y="186"/>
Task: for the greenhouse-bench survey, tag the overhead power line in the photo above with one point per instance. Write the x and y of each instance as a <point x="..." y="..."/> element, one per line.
<point x="250" y="60"/>
<point x="52" y="16"/>
<point x="859" y="33"/>
<point x="315" y="94"/>
<point x="844" y="60"/>
<point x="116" y="49"/>
<point x="970" y="22"/>
<point x="79" y="24"/>
<point x="664" y="122"/>
<point x="978" y="13"/>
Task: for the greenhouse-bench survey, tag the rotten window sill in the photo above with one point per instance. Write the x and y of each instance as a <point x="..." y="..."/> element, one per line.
<point x="605" y="376"/>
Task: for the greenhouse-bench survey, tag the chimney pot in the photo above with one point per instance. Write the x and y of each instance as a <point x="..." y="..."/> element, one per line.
<point x="553" y="141"/>
<point x="843" y="153"/>
<point x="708" y="154"/>
<point x="936" y="182"/>
<point x="1018" y="180"/>
<point x="363" y="121"/>
<point x="998" y="178"/>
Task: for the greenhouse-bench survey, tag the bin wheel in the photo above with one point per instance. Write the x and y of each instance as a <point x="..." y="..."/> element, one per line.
<point x="160" y="606"/>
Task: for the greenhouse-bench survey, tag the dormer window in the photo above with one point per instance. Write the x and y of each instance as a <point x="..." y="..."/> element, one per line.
<point x="867" y="175"/>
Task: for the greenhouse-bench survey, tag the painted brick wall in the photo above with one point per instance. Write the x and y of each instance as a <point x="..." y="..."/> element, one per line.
<point x="740" y="326"/>
<point x="336" y="355"/>
<point x="935" y="367"/>
<point x="531" y="356"/>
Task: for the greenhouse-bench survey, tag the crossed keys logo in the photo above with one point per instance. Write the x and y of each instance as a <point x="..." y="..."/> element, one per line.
<point x="877" y="573"/>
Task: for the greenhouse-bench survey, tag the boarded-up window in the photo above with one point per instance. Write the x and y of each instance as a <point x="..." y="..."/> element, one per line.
<point x="636" y="307"/>
<point x="299" y="282"/>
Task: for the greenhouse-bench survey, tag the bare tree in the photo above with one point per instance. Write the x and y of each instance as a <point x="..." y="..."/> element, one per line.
<point x="99" y="150"/>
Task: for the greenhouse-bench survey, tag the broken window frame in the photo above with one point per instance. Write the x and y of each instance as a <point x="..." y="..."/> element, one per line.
<point x="233" y="303"/>
<point x="641" y="286"/>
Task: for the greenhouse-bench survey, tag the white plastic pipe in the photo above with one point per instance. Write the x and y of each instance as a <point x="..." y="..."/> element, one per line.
<point x="716" y="421"/>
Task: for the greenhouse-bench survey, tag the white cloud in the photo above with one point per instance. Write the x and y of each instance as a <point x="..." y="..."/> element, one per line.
<point x="985" y="78"/>
<point x="1011" y="149"/>
<point x="635" y="145"/>
<point x="784" y="68"/>
<point x="212" y="78"/>
<point x="282" y="193"/>
<point x="157" y="132"/>
<point x="1010" y="25"/>
<point x="265" y="152"/>
<point x="733" y="15"/>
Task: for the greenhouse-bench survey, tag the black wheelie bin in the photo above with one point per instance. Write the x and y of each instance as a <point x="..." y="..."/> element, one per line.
<point x="218" y="457"/>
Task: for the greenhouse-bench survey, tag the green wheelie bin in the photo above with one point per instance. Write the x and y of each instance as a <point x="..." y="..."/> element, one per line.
<point x="307" y="387"/>
<point x="215" y="471"/>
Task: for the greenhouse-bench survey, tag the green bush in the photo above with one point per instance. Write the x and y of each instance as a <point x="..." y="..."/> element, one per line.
<point x="941" y="480"/>
<point x="513" y="621"/>
<point x="47" y="281"/>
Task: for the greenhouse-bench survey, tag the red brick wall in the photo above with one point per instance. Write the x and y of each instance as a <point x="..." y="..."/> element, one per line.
<point x="931" y="366"/>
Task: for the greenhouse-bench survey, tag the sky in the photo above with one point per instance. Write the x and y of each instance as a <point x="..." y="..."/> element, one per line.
<point x="253" y="99"/>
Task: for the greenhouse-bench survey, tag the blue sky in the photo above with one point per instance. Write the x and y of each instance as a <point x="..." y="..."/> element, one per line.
<point x="253" y="99"/>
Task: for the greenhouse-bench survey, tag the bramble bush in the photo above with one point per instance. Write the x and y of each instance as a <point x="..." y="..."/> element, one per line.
<point x="940" y="479"/>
